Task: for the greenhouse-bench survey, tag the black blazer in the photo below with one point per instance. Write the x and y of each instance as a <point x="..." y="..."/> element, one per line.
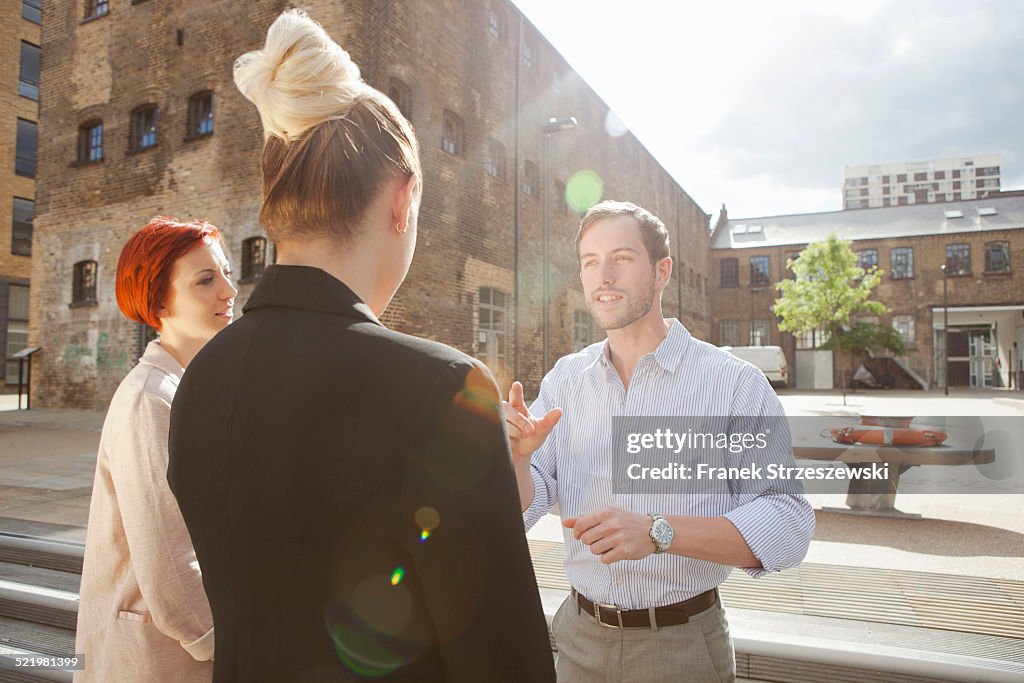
<point x="351" y="500"/>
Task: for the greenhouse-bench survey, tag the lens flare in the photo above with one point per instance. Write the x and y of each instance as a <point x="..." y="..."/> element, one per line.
<point x="424" y="535"/>
<point x="427" y="518"/>
<point x="397" y="575"/>
<point x="614" y="125"/>
<point x="583" y="190"/>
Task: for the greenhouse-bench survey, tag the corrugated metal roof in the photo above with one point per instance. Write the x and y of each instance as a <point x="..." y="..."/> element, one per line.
<point x="865" y="224"/>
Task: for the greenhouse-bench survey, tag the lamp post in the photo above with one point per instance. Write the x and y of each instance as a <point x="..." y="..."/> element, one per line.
<point x="753" y="291"/>
<point x="553" y="125"/>
<point x="945" y="328"/>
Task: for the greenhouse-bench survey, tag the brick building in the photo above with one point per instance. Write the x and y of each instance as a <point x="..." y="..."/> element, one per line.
<point x="141" y="118"/>
<point x="19" y="114"/>
<point x="976" y="240"/>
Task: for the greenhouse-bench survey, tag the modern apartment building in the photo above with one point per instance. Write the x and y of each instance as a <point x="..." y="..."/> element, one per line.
<point x="921" y="182"/>
<point x="141" y="117"/>
<point x="19" y="116"/>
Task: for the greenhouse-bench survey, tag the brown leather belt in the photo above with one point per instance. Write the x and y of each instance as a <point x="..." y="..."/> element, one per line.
<point x="669" y="615"/>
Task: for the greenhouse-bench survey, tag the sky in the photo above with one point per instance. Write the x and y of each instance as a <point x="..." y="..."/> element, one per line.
<point x="761" y="105"/>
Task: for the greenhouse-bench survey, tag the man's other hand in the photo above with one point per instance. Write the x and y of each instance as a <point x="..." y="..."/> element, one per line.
<point x="614" y="534"/>
<point x="525" y="432"/>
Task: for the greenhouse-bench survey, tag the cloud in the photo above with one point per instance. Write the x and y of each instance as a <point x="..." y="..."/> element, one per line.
<point x="917" y="85"/>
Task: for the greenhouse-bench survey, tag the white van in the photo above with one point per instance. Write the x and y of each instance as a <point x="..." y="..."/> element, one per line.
<point x="769" y="359"/>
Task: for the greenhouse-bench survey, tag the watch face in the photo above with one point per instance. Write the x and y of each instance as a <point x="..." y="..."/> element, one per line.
<point x="662" y="532"/>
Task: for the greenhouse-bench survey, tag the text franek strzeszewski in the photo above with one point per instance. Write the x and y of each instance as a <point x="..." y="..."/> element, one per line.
<point x="707" y="455"/>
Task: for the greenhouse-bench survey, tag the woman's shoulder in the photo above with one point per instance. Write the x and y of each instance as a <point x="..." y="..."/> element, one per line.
<point x="422" y="360"/>
<point x="145" y="387"/>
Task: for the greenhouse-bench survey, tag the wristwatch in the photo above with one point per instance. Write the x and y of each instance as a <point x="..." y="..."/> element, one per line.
<point x="661" y="533"/>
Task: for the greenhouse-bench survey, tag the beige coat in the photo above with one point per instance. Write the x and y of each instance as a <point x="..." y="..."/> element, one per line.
<point x="143" y="614"/>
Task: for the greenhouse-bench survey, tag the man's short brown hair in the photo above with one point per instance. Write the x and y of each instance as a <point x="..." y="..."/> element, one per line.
<point x="652" y="230"/>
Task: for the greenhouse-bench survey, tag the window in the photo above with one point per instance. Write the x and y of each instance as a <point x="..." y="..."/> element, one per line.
<point x="758" y="271"/>
<point x="495" y="159"/>
<point x="729" y="273"/>
<point x="759" y="333"/>
<point x="25" y="149"/>
<point x="32" y="10"/>
<point x="17" y="327"/>
<point x="997" y="257"/>
<point x="920" y="176"/>
<point x="28" y="79"/>
<point x="901" y="260"/>
<point x="582" y="330"/>
<point x="496" y="23"/>
<point x="493" y="327"/>
<point x="83" y="286"/>
<point x="728" y="333"/>
<point x="989" y="170"/>
<point x="903" y="201"/>
<point x="904" y="326"/>
<point x="21" y="226"/>
<point x="958" y="259"/>
<point x="90" y="142"/>
<point x="96" y="8"/>
<point x="809" y="340"/>
<point x="527" y="54"/>
<point x="561" y="205"/>
<point x="901" y="178"/>
<point x="451" y="133"/>
<point x="144" y="127"/>
<point x="401" y="95"/>
<point x="530" y="179"/>
<point x="200" y="114"/>
<point x="940" y="175"/>
<point x="866" y="258"/>
<point x="254" y="258"/>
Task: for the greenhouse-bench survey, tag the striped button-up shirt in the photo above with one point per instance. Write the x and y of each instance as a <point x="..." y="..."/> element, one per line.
<point x="573" y="468"/>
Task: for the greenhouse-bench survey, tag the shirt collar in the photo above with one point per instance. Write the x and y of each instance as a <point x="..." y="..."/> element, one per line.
<point x="160" y="358"/>
<point x="309" y="289"/>
<point x="668" y="354"/>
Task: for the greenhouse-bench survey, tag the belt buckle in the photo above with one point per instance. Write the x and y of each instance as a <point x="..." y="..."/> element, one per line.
<point x="597" y="615"/>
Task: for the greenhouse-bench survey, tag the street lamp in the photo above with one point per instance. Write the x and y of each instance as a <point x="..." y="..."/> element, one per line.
<point x="753" y="291"/>
<point x="945" y="327"/>
<point x="554" y="125"/>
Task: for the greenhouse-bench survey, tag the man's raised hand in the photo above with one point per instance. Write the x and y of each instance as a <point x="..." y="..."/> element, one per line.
<point x="525" y="432"/>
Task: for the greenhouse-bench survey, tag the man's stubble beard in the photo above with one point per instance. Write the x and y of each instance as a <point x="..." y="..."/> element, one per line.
<point x="637" y="309"/>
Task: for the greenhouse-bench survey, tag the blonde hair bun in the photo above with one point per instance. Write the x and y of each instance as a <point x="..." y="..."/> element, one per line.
<point x="299" y="79"/>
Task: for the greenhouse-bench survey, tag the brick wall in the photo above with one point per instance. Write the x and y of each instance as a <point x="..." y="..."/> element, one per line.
<point x="444" y="52"/>
<point x="916" y="296"/>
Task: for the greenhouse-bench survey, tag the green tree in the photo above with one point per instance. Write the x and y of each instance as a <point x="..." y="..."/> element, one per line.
<point x="828" y="291"/>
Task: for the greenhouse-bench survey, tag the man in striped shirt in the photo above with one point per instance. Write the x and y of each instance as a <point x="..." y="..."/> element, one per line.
<point x="645" y="567"/>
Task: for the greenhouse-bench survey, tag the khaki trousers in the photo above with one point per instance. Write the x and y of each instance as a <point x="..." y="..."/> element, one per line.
<point x="699" y="650"/>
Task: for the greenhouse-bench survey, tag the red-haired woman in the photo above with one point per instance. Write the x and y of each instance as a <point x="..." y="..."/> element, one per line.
<point x="143" y="614"/>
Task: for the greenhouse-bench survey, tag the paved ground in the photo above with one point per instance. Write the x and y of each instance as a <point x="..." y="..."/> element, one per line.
<point x="47" y="461"/>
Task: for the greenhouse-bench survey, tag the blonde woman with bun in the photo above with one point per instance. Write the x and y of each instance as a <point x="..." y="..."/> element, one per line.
<point x="348" y="488"/>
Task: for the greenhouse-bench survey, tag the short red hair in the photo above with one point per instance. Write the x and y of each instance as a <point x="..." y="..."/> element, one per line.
<point x="147" y="262"/>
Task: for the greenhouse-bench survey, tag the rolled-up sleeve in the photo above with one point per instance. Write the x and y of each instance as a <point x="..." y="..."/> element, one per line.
<point x="777" y="525"/>
<point x="162" y="557"/>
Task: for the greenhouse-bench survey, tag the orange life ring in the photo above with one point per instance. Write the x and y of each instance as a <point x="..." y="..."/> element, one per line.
<point x="887" y="436"/>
